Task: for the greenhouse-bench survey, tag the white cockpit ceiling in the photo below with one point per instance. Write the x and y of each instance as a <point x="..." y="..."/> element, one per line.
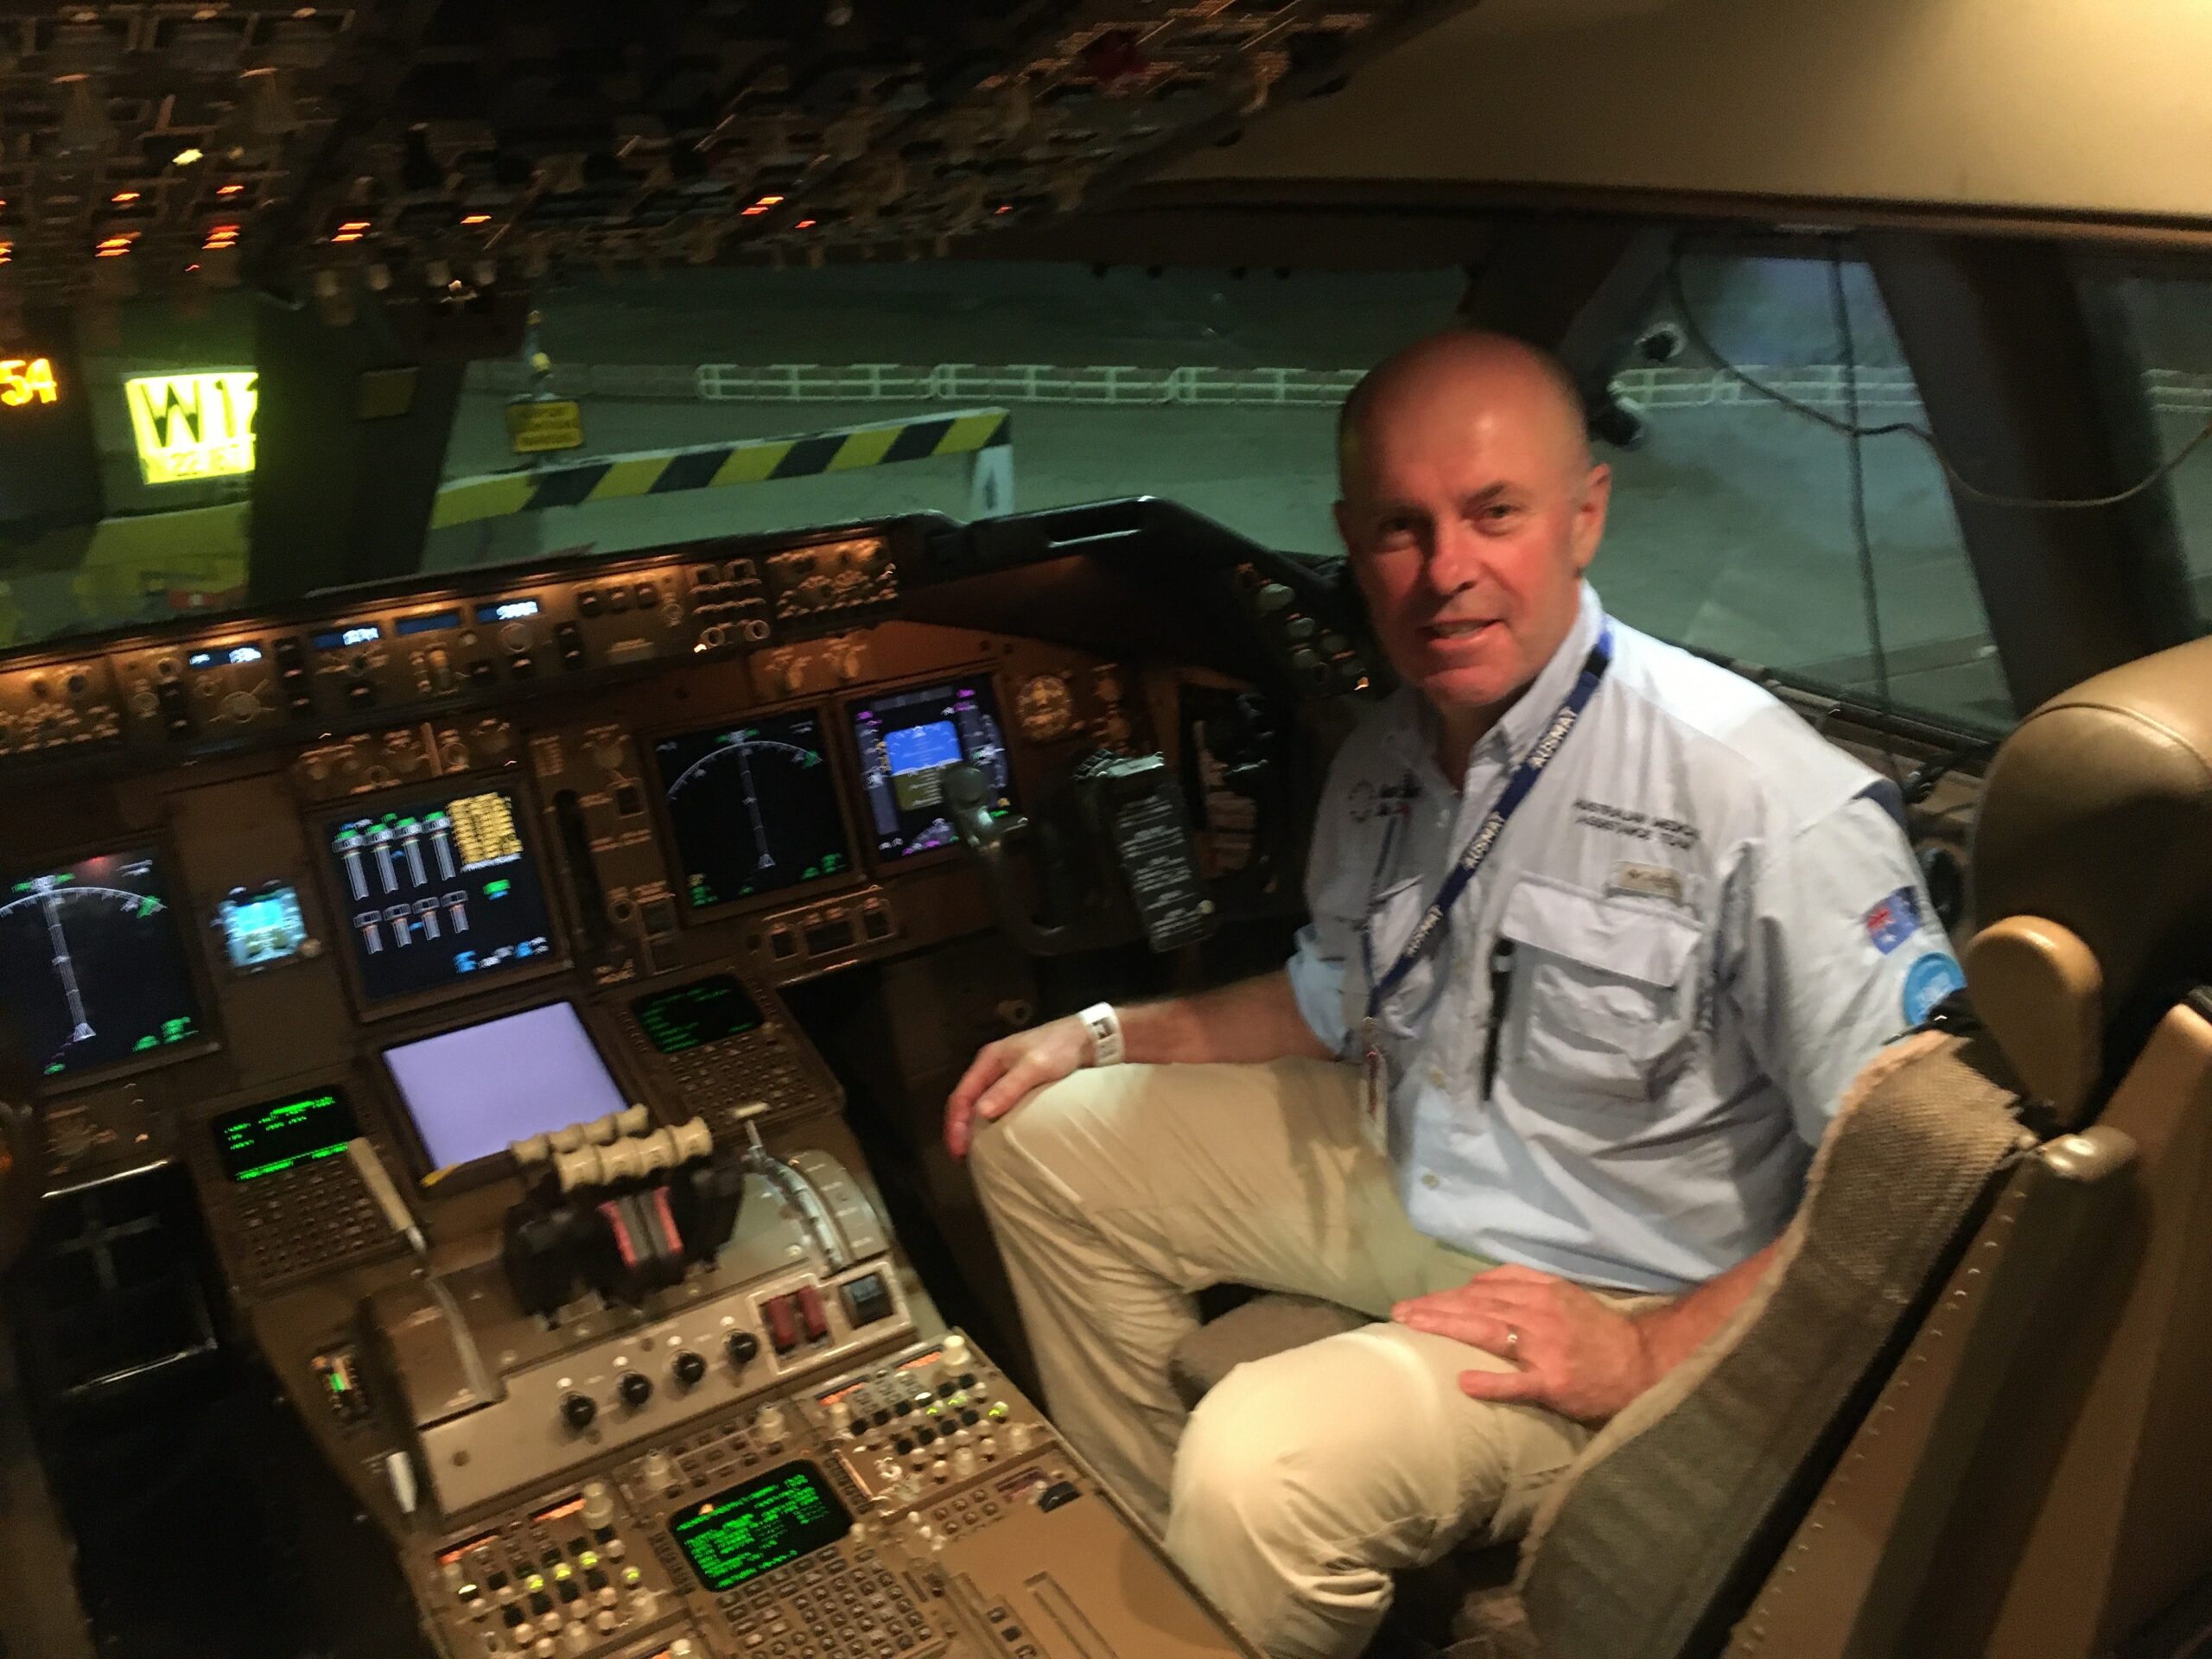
<point x="2047" y="106"/>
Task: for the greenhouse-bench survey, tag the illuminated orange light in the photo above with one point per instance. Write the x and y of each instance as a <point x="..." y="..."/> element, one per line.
<point x="123" y="198"/>
<point x="7" y="252"/>
<point x="355" y="224"/>
<point x="346" y="236"/>
<point x="767" y="201"/>
<point x="476" y="218"/>
<point x="231" y="190"/>
<point x="803" y="224"/>
<point x="751" y="213"/>
<point x="1006" y="207"/>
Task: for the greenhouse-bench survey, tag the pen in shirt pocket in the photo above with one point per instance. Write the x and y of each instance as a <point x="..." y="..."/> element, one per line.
<point x="1501" y="989"/>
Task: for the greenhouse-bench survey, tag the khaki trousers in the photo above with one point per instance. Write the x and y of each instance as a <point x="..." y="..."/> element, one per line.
<point x="1303" y="1479"/>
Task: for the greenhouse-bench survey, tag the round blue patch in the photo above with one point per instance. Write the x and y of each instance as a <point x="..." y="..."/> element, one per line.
<point x="1928" y="982"/>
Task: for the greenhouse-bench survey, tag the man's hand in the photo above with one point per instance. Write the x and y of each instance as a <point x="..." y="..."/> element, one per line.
<point x="1003" y="1072"/>
<point x="1575" y="1356"/>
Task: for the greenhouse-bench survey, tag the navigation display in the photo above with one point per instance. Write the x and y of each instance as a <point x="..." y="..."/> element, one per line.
<point x="753" y="1529"/>
<point x="92" y="966"/>
<point x="439" y="891"/>
<point x="906" y="741"/>
<point x="753" y="807"/>
<point x="475" y="1091"/>
<point x="257" y="1141"/>
<point x="691" y="1015"/>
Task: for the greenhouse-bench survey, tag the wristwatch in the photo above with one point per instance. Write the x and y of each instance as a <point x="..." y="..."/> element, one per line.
<point x="1105" y="1029"/>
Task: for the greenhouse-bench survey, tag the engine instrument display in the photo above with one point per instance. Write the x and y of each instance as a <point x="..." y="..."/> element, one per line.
<point x="475" y="1091"/>
<point x="705" y="1011"/>
<point x="738" y="1534"/>
<point x="906" y="741"/>
<point x="440" y="891"/>
<point x="257" y="1141"/>
<point x="92" y="966"/>
<point x="753" y="807"/>
<point x="262" y="927"/>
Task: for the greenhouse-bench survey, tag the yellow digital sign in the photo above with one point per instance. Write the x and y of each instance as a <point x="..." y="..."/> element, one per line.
<point x="28" y="380"/>
<point x="192" y="426"/>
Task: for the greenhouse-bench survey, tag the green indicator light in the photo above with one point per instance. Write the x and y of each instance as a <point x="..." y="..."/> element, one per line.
<point x="630" y="1575"/>
<point x="589" y="1559"/>
<point x="497" y="889"/>
<point x="959" y="1402"/>
<point x="143" y="1044"/>
<point x="562" y="1574"/>
<point x="534" y="1584"/>
<point x="934" y="1411"/>
<point x="337" y="1384"/>
<point x="997" y="1413"/>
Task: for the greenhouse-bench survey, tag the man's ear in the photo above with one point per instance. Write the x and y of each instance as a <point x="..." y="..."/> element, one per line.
<point x="1590" y="514"/>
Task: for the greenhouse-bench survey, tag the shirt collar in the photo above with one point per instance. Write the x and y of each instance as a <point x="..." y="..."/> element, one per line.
<point x="1413" y="735"/>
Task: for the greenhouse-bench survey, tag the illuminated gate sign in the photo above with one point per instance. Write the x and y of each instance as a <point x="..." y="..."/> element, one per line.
<point x="192" y="426"/>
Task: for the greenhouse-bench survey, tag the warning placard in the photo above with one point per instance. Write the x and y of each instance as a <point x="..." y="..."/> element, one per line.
<point x="536" y="426"/>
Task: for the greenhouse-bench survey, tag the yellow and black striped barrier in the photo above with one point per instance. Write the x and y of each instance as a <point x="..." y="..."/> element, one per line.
<point x="720" y="465"/>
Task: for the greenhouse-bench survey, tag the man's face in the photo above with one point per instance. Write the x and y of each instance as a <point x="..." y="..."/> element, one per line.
<point x="1470" y="513"/>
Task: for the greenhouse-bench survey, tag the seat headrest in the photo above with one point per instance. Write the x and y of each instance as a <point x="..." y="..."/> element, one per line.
<point x="2092" y="865"/>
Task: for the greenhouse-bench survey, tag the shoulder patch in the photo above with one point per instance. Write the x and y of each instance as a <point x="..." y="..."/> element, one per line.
<point x="1893" y="921"/>
<point x="1928" y="982"/>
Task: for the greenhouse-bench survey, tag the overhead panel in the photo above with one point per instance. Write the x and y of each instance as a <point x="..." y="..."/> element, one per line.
<point x="413" y="148"/>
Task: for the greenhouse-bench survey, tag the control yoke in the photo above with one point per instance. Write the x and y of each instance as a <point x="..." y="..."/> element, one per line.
<point x="1139" y="869"/>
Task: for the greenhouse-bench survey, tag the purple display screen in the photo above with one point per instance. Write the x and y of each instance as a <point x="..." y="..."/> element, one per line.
<point x="473" y="1092"/>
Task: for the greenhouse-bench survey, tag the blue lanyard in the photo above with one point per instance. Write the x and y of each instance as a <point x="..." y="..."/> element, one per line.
<point x="1484" y="840"/>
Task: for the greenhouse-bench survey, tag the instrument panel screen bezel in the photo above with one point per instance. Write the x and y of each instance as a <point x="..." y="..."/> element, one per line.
<point x="167" y="875"/>
<point x="557" y="958"/>
<point x="835" y="755"/>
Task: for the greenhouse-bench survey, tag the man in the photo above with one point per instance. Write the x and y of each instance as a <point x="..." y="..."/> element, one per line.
<point x="1582" y="1095"/>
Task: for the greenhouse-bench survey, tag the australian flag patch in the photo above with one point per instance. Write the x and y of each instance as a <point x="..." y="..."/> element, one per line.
<point x="1893" y="921"/>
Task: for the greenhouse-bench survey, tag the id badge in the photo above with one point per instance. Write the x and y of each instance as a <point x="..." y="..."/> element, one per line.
<point x="1374" y="1088"/>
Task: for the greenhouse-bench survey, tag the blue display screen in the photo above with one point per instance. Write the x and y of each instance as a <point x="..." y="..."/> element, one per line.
<point x="428" y="622"/>
<point x="917" y="748"/>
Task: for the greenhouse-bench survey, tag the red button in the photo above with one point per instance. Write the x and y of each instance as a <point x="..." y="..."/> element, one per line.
<point x="783" y="1329"/>
<point x="817" y="1322"/>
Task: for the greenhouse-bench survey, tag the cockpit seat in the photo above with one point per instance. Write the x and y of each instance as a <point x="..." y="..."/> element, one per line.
<point x="1969" y="1411"/>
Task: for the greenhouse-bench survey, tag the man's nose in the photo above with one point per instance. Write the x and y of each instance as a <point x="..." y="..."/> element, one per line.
<point x="1454" y="558"/>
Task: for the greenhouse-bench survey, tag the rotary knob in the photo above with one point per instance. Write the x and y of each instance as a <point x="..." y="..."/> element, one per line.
<point x="599" y="1503"/>
<point x="635" y="1388"/>
<point x="742" y="1347"/>
<point x="578" y="1411"/>
<point x="769" y="1421"/>
<point x="689" y="1368"/>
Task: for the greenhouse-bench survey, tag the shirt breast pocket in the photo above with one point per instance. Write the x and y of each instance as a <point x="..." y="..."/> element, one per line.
<point x="1601" y="990"/>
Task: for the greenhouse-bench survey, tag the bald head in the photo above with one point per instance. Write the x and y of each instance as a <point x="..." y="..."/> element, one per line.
<point x="1471" y="508"/>
<point x="1524" y="383"/>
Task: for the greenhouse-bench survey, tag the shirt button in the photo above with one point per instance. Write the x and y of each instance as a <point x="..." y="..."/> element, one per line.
<point x="1428" y="1178"/>
<point x="1436" y="1075"/>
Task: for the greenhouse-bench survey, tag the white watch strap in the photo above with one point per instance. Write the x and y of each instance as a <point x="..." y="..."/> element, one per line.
<point x="1105" y="1027"/>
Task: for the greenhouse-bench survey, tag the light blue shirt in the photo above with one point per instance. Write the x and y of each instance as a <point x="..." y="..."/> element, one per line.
<point x="1715" y="920"/>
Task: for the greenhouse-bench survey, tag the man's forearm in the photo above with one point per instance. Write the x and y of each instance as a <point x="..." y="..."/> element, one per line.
<point x="1251" y="1021"/>
<point x="1671" y="1334"/>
